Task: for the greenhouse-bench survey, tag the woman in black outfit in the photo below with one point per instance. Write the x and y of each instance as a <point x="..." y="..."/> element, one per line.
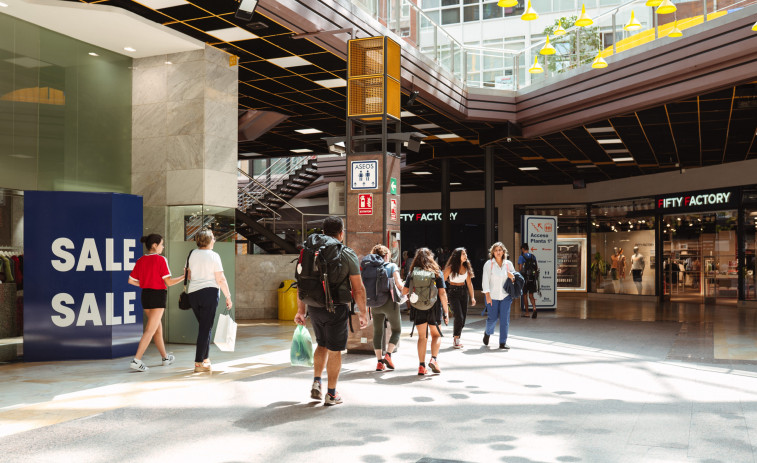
<point x="458" y="272"/>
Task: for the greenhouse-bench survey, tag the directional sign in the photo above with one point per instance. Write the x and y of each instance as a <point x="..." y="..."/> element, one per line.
<point x="540" y="233"/>
<point x="364" y="175"/>
<point x="365" y="204"/>
<point x="393" y="186"/>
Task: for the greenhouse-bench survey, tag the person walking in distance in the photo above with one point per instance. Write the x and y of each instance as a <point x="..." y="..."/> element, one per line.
<point x="151" y="273"/>
<point x="496" y="270"/>
<point x="459" y="272"/>
<point x="529" y="268"/>
<point x="389" y="311"/>
<point x="206" y="282"/>
<point x="426" y="283"/>
<point x="329" y="315"/>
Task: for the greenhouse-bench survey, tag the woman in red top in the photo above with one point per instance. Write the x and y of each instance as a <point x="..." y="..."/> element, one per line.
<point x="151" y="273"/>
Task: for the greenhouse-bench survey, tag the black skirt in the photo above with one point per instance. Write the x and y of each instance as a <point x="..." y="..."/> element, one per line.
<point x="154" y="298"/>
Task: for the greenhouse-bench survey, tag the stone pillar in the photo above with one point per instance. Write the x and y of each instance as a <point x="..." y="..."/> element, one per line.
<point x="184" y="132"/>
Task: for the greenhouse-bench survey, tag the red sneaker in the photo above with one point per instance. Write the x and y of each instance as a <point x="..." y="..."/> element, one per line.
<point x="422" y="370"/>
<point x="434" y="366"/>
<point x="380" y="366"/>
<point x="388" y="362"/>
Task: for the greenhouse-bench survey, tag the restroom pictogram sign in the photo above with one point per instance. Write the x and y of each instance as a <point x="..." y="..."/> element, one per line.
<point x="365" y="204"/>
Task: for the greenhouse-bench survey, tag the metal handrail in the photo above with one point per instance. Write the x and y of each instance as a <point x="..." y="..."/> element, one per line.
<point x="277" y="173"/>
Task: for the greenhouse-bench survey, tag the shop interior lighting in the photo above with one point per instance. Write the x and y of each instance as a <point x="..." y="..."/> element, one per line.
<point x="666" y="7"/>
<point x="609" y="141"/>
<point x="301" y="150"/>
<point x="421" y="173"/>
<point x="331" y="83"/>
<point x="289" y="62"/>
<point x="308" y="131"/>
<point x="633" y="23"/>
<point x="455" y="183"/>
<point x="584" y="20"/>
<point x="530" y="14"/>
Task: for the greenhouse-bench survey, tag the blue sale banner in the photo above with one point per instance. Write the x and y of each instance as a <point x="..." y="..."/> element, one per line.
<point x="78" y="251"/>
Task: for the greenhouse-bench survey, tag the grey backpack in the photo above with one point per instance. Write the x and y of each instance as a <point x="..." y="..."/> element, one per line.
<point x="423" y="285"/>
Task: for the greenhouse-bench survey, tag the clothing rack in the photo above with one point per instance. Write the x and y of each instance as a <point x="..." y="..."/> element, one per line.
<point x="11" y="248"/>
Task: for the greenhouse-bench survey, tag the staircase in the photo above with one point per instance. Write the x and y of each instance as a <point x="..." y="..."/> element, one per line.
<point x="259" y="201"/>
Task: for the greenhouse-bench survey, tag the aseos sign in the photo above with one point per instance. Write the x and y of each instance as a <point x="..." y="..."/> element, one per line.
<point x="78" y="251"/>
<point x="708" y="200"/>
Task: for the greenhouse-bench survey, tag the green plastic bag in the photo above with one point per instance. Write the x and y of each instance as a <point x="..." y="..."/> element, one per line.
<point x="301" y="353"/>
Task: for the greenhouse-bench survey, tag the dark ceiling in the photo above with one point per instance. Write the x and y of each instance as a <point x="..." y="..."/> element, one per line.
<point x="706" y="129"/>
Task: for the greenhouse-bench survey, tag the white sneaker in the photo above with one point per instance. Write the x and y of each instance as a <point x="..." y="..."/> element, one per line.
<point x="138" y="365"/>
<point x="168" y="359"/>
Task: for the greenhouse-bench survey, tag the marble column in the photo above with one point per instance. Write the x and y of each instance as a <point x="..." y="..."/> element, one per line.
<point x="184" y="132"/>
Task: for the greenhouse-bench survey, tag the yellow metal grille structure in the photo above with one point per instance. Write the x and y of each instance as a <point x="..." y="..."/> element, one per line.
<point x="373" y="78"/>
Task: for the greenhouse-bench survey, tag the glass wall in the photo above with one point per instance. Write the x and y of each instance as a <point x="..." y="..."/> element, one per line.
<point x="65" y="112"/>
<point x="623" y="247"/>
<point x="749" y="270"/>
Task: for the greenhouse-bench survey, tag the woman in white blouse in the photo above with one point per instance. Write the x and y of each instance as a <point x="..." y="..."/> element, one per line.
<point x="496" y="270"/>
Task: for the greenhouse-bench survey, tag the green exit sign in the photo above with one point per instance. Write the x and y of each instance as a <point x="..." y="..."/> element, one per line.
<point x="393" y="186"/>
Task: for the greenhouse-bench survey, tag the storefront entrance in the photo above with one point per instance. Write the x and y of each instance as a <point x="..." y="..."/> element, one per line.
<point x="700" y="261"/>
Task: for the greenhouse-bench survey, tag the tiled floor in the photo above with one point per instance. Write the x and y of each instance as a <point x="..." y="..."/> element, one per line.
<point x="594" y="381"/>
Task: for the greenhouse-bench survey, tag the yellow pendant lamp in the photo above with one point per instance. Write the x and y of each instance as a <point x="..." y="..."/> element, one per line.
<point x="547" y="49"/>
<point x="536" y="68"/>
<point x="754" y="28"/>
<point x="561" y="30"/>
<point x="584" y="20"/>
<point x="666" y="7"/>
<point x="599" y="62"/>
<point x="676" y="32"/>
<point x="530" y="14"/>
<point x="653" y="3"/>
<point x="633" y="24"/>
<point x="507" y="3"/>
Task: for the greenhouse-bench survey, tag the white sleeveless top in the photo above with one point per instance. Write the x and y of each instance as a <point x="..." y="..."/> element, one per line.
<point x="459" y="278"/>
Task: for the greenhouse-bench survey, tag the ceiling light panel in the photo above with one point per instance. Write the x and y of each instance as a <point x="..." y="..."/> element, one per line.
<point x="528" y="168"/>
<point x="609" y="141"/>
<point x="308" y="131"/>
<point x="160" y="4"/>
<point x="585" y="166"/>
<point x="301" y="150"/>
<point x="617" y="151"/>
<point x="421" y="173"/>
<point x="426" y="126"/>
<point x="600" y="129"/>
<point x="290" y="62"/>
<point x="406" y="114"/>
<point x="331" y="83"/>
<point x="628" y="159"/>
<point x="477" y="171"/>
<point x="447" y="135"/>
<point x="232" y="34"/>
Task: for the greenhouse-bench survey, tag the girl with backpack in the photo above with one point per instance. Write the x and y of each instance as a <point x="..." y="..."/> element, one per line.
<point x="459" y="272"/>
<point x="390" y="311"/>
<point x="498" y="301"/>
<point x="427" y="283"/>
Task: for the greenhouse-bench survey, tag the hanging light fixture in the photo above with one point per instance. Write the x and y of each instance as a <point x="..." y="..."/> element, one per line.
<point x="666" y="7"/>
<point x="633" y="24"/>
<point x="676" y="32"/>
<point x="507" y="3"/>
<point x="547" y="49"/>
<point x="561" y="31"/>
<point x="653" y="3"/>
<point x="599" y="62"/>
<point x="536" y="68"/>
<point x="530" y="14"/>
<point x="584" y="20"/>
<point x="754" y="28"/>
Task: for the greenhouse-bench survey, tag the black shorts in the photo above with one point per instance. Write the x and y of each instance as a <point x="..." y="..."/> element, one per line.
<point x="154" y="298"/>
<point x="529" y="287"/>
<point x="331" y="329"/>
<point x="432" y="316"/>
<point x="636" y="275"/>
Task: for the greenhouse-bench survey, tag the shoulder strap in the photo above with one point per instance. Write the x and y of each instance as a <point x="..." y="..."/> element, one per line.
<point x="186" y="270"/>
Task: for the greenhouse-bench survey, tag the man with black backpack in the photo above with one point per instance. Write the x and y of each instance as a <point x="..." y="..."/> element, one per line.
<point x="328" y="279"/>
<point x="529" y="268"/>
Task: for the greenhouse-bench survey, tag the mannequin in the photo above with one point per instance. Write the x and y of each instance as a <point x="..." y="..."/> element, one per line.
<point x="637" y="268"/>
<point x="614" y="269"/>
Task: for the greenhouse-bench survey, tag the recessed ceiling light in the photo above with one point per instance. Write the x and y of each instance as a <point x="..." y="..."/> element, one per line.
<point x="232" y="34"/>
<point x="600" y="129"/>
<point x="455" y="183"/>
<point x="168" y="62"/>
<point x="447" y="135"/>
<point x="405" y="185"/>
<point x="628" y="159"/>
<point x="617" y="151"/>
<point x="308" y="131"/>
<point x="585" y="166"/>
<point x="289" y="61"/>
<point x="331" y="83"/>
<point x="477" y="171"/>
<point x="4" y="5"/>
<point x="426" y="126"/>
<point x="160" y="4"/>
<point x="93" y="54"/>
<point x="502" y="181"/>
<point x="421" y="173"/>
<point x="130" y="49"/>
<point x="609" y="141"/>
<point x="528" y="168"/>
<point x="406" y="114"/>
<point x="301" y="150"/>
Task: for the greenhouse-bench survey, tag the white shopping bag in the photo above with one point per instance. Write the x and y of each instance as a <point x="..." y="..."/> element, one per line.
<point x="226" y="333"/>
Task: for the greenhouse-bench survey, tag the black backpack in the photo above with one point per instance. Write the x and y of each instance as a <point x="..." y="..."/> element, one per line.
<point x="530" y="268"/>
<point x="373" y="273"/>
<point x="322" y="277"/>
